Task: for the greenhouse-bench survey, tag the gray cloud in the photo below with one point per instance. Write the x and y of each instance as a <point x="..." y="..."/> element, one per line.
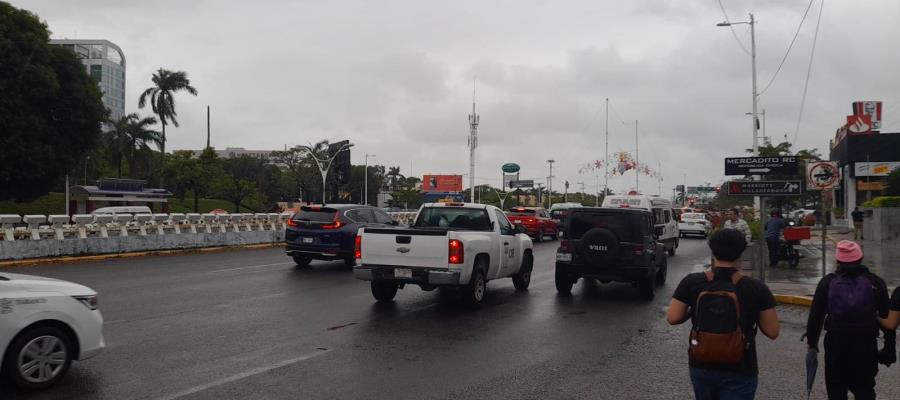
<point x="396" y="76"/>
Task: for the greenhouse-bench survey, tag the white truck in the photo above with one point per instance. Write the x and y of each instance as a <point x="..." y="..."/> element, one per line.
<point x="450" y="244"/>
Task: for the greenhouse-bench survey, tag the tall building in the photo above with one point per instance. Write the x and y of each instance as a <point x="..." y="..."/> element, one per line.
<point x="106" y="63"/>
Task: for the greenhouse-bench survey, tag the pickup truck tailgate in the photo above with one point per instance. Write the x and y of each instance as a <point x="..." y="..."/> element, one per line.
<point x="405" y="247"/>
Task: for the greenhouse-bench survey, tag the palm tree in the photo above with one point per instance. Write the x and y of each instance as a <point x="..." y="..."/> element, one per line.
<point x="128" y="134"/>
<point x="394" y="175"/>
<point x="162" y="99"/>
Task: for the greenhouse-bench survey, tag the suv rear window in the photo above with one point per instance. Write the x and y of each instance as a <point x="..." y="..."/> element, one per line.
<point x="454" y="218"/>
<point x="625" y="226"/>
<point x="521" y="211"/>
<point x="315" y="215"/>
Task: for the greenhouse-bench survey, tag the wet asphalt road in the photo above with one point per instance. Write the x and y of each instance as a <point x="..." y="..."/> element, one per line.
<point x="249" y="325"/>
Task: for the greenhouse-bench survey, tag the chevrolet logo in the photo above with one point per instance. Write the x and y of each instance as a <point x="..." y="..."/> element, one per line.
<point x="403" y="250"/>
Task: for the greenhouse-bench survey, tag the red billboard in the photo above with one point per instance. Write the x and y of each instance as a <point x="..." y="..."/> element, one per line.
<point x="442" y="183"/>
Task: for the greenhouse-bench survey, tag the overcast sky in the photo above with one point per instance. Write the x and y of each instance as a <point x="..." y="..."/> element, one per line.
<point x="395" y="77"/>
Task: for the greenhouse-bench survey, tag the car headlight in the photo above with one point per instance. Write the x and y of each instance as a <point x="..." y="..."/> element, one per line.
<point x="89" y="301"/>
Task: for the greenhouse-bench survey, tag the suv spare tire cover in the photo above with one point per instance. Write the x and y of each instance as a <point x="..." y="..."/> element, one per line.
<point x="599" y="246"/>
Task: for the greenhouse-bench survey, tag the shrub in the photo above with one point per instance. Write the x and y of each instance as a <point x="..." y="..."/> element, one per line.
<point x="883" y="202"/>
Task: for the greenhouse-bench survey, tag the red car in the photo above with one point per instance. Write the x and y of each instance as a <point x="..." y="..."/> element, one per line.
<point x="536" y="220"/>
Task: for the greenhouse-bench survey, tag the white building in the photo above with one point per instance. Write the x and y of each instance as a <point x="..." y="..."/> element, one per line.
<point x="104" y="61"/>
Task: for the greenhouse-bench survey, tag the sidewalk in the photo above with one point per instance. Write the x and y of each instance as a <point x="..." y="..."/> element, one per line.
<point x="797" y="285"/>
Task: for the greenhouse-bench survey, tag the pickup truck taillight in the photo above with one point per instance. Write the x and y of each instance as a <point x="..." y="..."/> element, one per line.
<point x="457" y="253"/>
<point x="357" y="247"/>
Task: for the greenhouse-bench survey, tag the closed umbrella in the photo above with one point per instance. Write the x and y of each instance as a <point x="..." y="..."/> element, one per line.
<point x="812" y="365"/>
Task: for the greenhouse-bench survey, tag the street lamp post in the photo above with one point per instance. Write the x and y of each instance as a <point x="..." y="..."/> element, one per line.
<point x="550" y="184"/>
<point x="324" y="170"/>
<point x="366" y="179"/>
<point x="752" y="24"/>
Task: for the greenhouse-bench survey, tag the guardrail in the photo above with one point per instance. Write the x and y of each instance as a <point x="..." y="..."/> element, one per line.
<point x="83" y="226"/>
<point x="40" y="236"/>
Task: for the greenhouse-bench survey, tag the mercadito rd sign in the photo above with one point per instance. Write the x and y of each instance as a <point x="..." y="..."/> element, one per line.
<point x="781" y="165"/>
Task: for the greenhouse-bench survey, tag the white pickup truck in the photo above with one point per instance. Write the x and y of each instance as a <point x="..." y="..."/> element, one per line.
<point x="450" y="244"/>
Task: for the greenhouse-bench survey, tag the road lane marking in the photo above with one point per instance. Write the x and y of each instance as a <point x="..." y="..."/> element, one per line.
<point x="251" y="266"/>
<point x="244" y="375"/>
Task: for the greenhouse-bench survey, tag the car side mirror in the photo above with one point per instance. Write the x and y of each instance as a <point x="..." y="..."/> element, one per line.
<point x="520" y="229"/>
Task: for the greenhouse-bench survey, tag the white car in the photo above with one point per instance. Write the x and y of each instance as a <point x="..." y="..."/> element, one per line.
<point x="450" y="244"/>
<point x="694" y="224"/>
<point x="45" y="324"/>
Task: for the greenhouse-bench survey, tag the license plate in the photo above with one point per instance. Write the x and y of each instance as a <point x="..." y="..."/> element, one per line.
<point x="402" y="273"/>
<point x="307" y="240"/>
<point x="566" y="257"/>
<point x="518" y="221"/>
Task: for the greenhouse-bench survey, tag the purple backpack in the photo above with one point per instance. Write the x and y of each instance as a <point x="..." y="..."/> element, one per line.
<point x="851" y="304"/>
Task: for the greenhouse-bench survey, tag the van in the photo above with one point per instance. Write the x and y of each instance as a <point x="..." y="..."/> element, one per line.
<point x="663" y="215"/>
<point x="122" y="210"/>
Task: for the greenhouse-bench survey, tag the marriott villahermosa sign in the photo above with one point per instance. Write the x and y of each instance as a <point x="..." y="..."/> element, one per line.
<point x="781" y="165"/>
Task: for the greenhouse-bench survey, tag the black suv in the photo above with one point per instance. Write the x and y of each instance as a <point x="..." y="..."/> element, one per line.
<point x="610" y="244"/>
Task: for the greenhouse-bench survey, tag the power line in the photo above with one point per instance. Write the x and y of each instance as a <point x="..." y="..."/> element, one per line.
<point x="808" y="72"/>
<point x="790" y="46"/>
<point x="733" y="33"/>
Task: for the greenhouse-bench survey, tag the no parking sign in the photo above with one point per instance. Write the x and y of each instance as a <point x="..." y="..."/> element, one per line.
<point x="822" y="175"/>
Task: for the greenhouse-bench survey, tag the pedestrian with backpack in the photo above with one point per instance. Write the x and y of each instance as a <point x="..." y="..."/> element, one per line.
<point x="849" y="302"/>
<point x="725" y="308"/>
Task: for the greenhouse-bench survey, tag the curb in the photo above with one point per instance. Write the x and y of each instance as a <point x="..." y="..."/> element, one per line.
<point x="103" y="257"/>
<point x="804" y="301"/>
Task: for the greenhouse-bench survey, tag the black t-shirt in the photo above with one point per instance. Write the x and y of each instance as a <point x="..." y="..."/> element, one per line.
<point x="753" y="296"/>
<point x="895" y="299"/>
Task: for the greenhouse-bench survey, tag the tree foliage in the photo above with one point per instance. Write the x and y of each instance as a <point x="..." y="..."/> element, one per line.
<point x="162" y="98"/>
<point x="893" y="183"/>
<point x="50" y="109"/>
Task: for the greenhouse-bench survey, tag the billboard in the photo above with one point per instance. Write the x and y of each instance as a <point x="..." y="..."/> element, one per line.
<point x="875" y="168"/>
<point x="442" y="183"/>
<point x="870" y="108"/>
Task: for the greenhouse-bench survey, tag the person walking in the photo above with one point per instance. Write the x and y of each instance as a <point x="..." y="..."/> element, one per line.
<point x="734" y="221"/>
<point x="857" y="224"/>
<point x="849" y="302"/>
<point x="725" y="308"/>
<point x="774" y="226"/>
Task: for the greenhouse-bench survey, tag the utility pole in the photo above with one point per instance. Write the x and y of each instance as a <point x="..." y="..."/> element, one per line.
<point x="550" y="184"/>
<point x="581" y="193"/>
<point x="606" y="153"/>
<point x="207" y="127"/>
<point x="659" y="178"/>
<point x="325" y="167"/>
<point x="366" y="179"/>
<point x="637" y="164"/>
<point x="473" y="143"/>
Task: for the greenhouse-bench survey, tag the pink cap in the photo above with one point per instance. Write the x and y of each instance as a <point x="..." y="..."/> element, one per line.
<point x="848" y="252"/>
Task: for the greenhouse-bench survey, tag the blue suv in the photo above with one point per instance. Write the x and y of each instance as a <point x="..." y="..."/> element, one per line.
<point x="328" y="232"/>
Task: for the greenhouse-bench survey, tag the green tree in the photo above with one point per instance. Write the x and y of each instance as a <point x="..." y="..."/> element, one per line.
<point x="302" y="168"/>
<point x="129" y="134"/>
<point x="162" y="99"/>
<point x="893" y="183"/>
<point x="238" y="183"/>
<point x="50" y="109"/>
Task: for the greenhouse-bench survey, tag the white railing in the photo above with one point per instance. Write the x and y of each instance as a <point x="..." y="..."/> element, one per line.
<point x="83" y="226"/>
<point x="405" y="218"/>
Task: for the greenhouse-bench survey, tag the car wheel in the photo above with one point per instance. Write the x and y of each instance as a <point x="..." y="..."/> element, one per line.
<point x="473" y="293"/>
<point x="302" y="261"/>
<point x="350" y="262"/>
<point x="564" y="284"/>
<point x="662" y="271"/>
<point x="384" y="291"/>
<point x="540" y="236"/>
<point x="646" y="288"/>
<point x="522" y="279"/>
<point x="38" y="358"/>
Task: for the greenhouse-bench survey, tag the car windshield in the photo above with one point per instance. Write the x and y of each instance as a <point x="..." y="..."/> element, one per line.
<point x="475" y="219"/>
<point x="623" y="225"/>
<point x="694" y="216"/>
